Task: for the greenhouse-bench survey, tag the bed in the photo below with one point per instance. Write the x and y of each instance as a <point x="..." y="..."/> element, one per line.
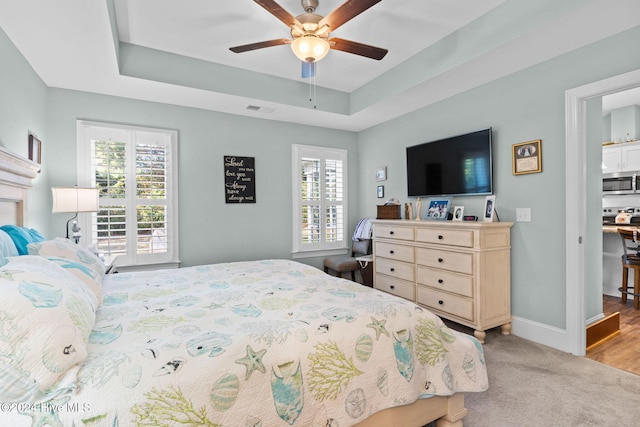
<point x="256" y="343"/>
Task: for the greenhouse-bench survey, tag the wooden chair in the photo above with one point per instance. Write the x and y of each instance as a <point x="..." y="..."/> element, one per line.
<point x="345" y="264"/>
<point x="630" y="261"/>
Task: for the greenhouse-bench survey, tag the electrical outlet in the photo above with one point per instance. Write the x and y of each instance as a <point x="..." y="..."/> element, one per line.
<point x="523" y="214"/>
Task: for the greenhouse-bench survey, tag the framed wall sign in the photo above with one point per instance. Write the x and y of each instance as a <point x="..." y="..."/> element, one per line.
<point x="239" y="179"/>
<point x="527" y="157"/>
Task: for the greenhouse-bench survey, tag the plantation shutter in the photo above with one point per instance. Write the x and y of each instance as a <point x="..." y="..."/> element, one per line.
<point x="319" y="198"/>
<point x="133" y="169"/>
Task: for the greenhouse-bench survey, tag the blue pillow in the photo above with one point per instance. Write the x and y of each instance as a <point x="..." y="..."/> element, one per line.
<point x="22" y="236"/>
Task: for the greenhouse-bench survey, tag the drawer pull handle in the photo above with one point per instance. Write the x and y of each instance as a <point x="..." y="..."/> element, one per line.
<point x="440" y="260"/>
<point x="392" y="287"/>
<point x="391" y="232"/>
<point x="391" y="252"/>
<point x="440" y="237"/>
<point x="392" y="269"/>
<point x="440" y="302"/>
<point x="440" y="281"/>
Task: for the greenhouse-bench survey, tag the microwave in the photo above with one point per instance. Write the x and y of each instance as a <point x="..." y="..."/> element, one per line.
<point x="621" y="184"/>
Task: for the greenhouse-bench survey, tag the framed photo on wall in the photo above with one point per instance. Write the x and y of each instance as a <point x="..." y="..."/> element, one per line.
<point x="35" y="149"/>
<point x="489" y="209"/>
<point x="527" y="157"/>
<point x="381" y="173"/>
<point x="380" y="191"/>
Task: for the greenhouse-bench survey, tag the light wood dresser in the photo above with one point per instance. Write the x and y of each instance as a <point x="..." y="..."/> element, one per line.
<point x="461" y="271"/>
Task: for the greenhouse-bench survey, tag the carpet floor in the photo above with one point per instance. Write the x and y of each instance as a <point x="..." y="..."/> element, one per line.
<point x="534" y="385"/>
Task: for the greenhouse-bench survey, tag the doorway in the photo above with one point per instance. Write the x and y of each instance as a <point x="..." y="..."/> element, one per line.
<point x="576" y="196"/>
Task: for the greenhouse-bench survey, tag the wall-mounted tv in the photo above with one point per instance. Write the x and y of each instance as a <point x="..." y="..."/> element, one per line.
<point x="459" y="165"/>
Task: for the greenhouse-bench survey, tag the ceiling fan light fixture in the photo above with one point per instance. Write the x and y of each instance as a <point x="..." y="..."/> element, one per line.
<point x="310" y="48"/>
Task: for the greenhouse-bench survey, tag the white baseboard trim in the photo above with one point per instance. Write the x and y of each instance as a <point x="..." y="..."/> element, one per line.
<point x="540" y="333"/>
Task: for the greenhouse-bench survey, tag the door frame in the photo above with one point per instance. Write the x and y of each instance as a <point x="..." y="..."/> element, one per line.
<point x="576" y="196"/>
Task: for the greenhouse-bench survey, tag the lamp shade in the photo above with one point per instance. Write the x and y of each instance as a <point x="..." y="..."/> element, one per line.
<point x="310" y="48"/>
<point x="74" y="199"/>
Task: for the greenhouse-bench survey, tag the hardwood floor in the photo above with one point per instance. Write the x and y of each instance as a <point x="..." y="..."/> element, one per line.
<point x="623" y="351"/>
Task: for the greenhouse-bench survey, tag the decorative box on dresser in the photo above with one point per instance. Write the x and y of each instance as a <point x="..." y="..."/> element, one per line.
<point x="459" y="270"/>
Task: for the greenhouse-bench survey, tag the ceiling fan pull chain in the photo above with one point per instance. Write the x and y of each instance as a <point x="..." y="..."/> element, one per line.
<point x="312" y="85"/>
<point x="315" y="94"/>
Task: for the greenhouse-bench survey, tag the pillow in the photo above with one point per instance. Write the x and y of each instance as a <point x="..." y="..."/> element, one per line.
<point x="89" y="276"/>
<point x="7" y="247"/>
<point x="22" y="236"/>
<point x="47" y="315"/>
<point x="65" y="248"/>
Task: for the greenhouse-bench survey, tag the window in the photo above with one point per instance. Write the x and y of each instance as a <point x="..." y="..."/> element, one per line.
<point x="135" y="171"/>
<point x="319" y="195"/>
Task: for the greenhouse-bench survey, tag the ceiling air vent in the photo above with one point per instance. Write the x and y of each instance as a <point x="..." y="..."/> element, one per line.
<point x="259" y="108"/>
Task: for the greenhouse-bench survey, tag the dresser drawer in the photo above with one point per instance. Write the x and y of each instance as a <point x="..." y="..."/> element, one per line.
<point x="442" y="301"/>
<point x="462" y="238"/>
<point x="398" y="269"/>
<point x="444" y="280"/>
<point x="393" y="232"/>
<point x="453" y="261"/>
<point x="394" y="286"/>
<point x="393" y="251"/>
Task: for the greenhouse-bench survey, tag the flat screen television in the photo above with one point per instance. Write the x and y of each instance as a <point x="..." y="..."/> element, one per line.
<point x="459" y="165"/>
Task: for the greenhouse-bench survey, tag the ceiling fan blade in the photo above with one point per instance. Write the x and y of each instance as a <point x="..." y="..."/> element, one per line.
<point x="357" y="48"/>
<point x="259" y="45"/>
<point x="345" y="12"/>
<point x="276" y="10"/>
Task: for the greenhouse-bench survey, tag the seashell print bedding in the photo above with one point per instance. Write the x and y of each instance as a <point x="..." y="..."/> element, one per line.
<point x="264" y="343"/>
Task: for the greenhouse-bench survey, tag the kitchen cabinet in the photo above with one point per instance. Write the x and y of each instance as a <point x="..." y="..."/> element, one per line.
<point x="624" y="157"/>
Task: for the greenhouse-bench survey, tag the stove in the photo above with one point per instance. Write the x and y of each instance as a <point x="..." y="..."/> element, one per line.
<point x="609" y="215"/>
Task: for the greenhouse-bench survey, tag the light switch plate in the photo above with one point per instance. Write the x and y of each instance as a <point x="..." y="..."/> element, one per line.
<point x="523" y="214"/>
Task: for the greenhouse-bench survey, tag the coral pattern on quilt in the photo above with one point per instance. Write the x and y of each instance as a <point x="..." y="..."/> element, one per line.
<point x="264" y="343"/>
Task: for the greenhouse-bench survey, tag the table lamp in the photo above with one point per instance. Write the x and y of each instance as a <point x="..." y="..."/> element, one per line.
<point x="74" y="199"/>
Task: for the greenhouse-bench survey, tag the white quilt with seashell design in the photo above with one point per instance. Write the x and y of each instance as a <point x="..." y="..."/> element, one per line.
<point x="265" y="343"/>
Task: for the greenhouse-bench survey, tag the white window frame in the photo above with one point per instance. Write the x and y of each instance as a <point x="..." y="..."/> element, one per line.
<point x="305" y="250"/>
<point x="84" y="130"/>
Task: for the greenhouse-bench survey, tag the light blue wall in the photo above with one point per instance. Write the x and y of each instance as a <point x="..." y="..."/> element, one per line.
<point x="23" y="110"/>
<point x="210" y="230"/>
<point x="523" y="106"/>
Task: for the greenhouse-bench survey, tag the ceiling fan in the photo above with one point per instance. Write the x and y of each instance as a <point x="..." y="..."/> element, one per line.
<point x="310" y="32"/>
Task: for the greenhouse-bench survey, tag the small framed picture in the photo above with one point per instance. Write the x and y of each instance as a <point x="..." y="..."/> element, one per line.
<point x="381" y="173"/>
<point x="35" y="149"/>
<point x="489" y="208"/>
<point x="458" y="213"/>
<point x="380" y="191"/>
<point x="527" y="157"/>
<point x="438" y="208"/>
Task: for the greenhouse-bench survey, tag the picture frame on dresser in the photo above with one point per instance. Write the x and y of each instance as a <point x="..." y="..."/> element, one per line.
<point x="438" y="208"/>
<point x="458" y="213"/>
<point x="489" y="209"/>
